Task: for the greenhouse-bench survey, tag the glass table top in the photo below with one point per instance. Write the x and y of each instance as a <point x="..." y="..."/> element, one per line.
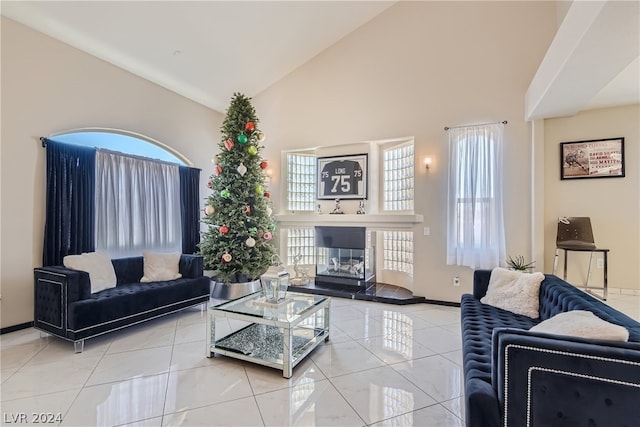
<point x="291" y="309"/>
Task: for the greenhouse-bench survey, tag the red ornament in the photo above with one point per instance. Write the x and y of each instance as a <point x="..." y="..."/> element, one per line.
<point x="250" y="126"/>
<point x="267" y="235"/>
<point x="246" y="209"/>
<point x="226" y="257"/>
<point x="224" y="229"/>
<point x="228" y="144"/>
<point x="218" y="169"/>
<point x="264" y="164"/>
<point x="267" y="194"/>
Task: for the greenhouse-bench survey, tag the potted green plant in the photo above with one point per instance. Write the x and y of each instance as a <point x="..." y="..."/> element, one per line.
<point x="518" y="263"/>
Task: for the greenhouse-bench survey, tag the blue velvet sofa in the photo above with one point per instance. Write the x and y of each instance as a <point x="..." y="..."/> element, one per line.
<point x="65" y="306"/>
<point x="514" y="377"/>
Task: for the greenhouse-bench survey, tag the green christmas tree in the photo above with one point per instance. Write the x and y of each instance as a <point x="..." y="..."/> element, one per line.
<point x="237" y="243"/>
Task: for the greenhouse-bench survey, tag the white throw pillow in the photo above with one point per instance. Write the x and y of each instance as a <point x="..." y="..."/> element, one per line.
<point x="584" y="324"/>
<point x="99" y="267"/>
<point x="514" y="291"/>
<point x="161" y="266"/>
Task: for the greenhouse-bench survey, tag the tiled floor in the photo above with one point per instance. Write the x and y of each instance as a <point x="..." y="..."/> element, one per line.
<point x="628" y="304"/>
<point x="385" y="365"/>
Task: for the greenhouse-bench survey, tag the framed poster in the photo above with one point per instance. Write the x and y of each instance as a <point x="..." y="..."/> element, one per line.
<point x="342" y="177"/>
<point x="596" y="158"/>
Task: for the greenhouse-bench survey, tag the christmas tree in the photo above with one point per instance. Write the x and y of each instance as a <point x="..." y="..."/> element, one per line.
<point x="237" y="242"/>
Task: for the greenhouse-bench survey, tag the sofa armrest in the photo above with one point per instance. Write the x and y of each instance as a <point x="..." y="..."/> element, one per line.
<point x="76" y="283"/>
<point x="545" y="379"/>
<point x="54" y="289"/>
<point x="480" y="282"/>
<point x="191" y="266"/>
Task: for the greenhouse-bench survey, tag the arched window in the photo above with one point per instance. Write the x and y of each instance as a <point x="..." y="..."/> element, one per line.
<point x="135" y="194"/>
<point x="123" y="142"/>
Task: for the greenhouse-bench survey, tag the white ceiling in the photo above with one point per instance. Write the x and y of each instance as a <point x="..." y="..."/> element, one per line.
<point x="207" y="50"/>
<point x="203" y="50"/>
<point x="592" y="61"/>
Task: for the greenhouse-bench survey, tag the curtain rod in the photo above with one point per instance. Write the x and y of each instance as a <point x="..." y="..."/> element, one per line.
<point x="504" y="122"/>
<point x="44" y="144"/>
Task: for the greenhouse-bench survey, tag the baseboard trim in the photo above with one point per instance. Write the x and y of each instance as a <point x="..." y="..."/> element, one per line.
<point x="16" y="327"/>
<point x="438" y="302"/>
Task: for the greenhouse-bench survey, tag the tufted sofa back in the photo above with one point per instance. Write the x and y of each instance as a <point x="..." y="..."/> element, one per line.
<point x="556" y="296"/>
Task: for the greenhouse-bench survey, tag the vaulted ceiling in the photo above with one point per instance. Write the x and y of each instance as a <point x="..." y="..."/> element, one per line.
<point x="203" y="50"/>
<point x="206" y="50"/>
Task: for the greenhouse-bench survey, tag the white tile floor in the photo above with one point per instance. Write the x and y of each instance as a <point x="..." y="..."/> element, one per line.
<point x="384" y="365"/>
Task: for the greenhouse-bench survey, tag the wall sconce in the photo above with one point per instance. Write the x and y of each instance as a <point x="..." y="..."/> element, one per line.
<point x="427" y="162"/>
<point x="269" y="174"/>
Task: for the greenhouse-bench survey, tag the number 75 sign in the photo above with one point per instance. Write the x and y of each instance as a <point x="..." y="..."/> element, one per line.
<point x="342" y="177"/>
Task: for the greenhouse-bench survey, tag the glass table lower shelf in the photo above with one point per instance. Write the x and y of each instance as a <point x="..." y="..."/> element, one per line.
<point x="278" y="336"/>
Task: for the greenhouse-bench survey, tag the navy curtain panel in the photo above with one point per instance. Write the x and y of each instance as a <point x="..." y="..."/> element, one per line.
<point x="69" y="222"/>
<point x="190" y="208"/>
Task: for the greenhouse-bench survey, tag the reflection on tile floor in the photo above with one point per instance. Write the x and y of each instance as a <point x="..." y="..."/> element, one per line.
<point x="385" y="365"/>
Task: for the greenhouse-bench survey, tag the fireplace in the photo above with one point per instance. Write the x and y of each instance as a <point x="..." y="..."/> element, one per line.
<point x="345" y="257"/>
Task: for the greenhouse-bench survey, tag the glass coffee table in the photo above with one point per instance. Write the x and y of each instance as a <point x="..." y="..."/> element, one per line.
<point x="275" y="335"/>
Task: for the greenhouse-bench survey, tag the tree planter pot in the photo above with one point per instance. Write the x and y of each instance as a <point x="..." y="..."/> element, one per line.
<point x="223" y="290"/>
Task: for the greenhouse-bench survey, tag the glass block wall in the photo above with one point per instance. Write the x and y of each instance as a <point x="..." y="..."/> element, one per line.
<point x="398" y="178"/>
<point x="301" y="182"/>
<point x="398" y="251"/>
<point x="301" y="241"/>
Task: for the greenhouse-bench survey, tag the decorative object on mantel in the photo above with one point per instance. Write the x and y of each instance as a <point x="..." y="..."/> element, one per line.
<point x="337" y="209"/>
<point x="361" y="210"/>
<point x="236" y="243"/>
<point x="595" y="158"/>
<point x="319" y="209"/>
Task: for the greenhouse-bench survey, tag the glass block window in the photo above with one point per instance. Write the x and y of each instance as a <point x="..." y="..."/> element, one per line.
<point x="301" y="182"/>
<point x="397" y="172"/>
<point x="301" y="241"/>
<point x="398" y="251"/>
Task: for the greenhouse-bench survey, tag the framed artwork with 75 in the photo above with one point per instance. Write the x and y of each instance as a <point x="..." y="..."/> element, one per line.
<point x="342" y="177"/>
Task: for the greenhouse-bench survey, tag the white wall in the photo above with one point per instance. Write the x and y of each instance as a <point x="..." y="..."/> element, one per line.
<point x="49" y="87"/>
<point x="411" y="71"/>
<point x="612" y="203"/>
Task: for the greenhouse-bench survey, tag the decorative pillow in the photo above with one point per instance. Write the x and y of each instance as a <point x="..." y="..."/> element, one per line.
<point x="99" y="267"/>
<point x="584" y="324"/>
<point x="161" y="266"/>
<point x="514" y="291"/>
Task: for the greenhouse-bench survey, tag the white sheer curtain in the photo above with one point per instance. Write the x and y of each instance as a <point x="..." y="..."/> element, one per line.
<point x="137" y="205"/>
<point x="475" y="226"/>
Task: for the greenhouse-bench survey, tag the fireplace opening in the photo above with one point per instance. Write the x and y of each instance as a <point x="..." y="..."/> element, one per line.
<point x="345" y="257"/>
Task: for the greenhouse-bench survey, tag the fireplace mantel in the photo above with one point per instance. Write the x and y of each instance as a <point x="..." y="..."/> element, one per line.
<point x="365" y="220"/>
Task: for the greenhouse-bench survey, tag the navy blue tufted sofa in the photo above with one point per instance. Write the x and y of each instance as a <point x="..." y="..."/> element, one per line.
<point x="514" y="377"/>
<point x="65" y="306"/>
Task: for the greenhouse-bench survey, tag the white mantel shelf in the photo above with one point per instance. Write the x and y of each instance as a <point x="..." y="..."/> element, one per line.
<point x="366" y="220"/>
